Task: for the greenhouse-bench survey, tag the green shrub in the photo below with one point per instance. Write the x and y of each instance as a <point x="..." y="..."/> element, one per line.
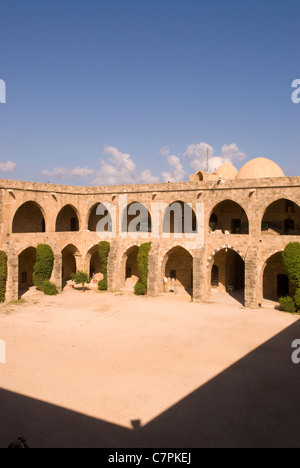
<point x="142" y="265"/>
<point x="3" y="275"/>
<point x="49" y="288"/>
<point x="103" y="251"/>
<point x="102" y="285"/>
<point x="287" y="304"/>
<point x="80" y="277"/>
<point x="140" y="289"/>
<point x="297" y="299"/>
<point x="43" y="267"/>
<point x="291" y="262"/>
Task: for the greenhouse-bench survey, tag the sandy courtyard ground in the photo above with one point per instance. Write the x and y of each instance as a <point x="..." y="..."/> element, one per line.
<point x="92" y="369"/>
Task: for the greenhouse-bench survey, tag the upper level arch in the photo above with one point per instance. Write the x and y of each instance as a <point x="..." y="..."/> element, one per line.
<point x="67" y="219"/>
<point x="228" y="217"/>
<point x="136" y="218"/>
<point x="29" y="217"/>
<point x="281" y="217"/>
<point x="99" y="218"/>
<point x="179" y="217"/>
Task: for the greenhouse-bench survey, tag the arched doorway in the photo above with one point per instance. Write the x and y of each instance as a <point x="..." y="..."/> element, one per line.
<point x="229" y="217"/>
<point x="67" y="220"/>
<point x="26" y="262"/>
<point x="275" y="280"/>
<point x="68" y="263"/>
<point x="29" y="218"/>
<point x="282" y="217"/>
<point x="94" y="264"/>
<point x="228" y="273"/>
<point x="130" y="268"/>
<point x="178" y="265"/>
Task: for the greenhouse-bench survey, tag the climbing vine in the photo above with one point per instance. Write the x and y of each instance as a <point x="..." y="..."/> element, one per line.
<point x="3" y="275"/>
<point x="140" y="288"/>
<point x="103" y="251"/>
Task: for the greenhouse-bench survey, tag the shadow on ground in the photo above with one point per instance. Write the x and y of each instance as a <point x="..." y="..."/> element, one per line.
<point x="254" y="403"/>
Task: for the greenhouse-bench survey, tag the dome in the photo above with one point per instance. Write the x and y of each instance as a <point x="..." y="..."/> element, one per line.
<point x="259" y="168"/>
<point x="228" y="171"/>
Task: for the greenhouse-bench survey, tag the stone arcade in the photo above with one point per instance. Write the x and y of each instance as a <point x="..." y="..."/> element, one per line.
<point x="249" y="217"/>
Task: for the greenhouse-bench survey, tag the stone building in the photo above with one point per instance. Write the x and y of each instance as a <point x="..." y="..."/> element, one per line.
<point x="240" y="222"/>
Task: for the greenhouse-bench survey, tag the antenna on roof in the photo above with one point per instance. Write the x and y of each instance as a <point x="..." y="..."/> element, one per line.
<point x="207" y="168"/>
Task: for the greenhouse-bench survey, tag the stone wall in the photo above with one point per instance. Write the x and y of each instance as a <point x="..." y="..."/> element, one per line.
<point x="254" y="248"/>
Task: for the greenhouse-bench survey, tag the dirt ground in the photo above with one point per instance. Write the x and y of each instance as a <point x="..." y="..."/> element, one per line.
<point x="93" y="369"/>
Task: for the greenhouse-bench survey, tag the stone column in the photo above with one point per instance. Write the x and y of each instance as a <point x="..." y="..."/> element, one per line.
<point x="56" y="276"/>
<point x="199" y="276"/>
<point x="155" y="280"/>
<point x="12" y="284"/>
<point x="252" y="286"/>
<point x="113" y="267"/>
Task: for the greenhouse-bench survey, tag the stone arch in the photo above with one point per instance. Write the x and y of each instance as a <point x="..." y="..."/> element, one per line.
<point x="179" y="217"/>
<point x="26" y="262"/>
<point x="178" y="263"/>
<point x="94" y="218"/>
<point x="129" y="268"/>
<point x="231" y="271"/>
<point x="274" y="279"/>
<point x="67" y="219"/>
<point x="29" y="217"/>
<point x="229" y="217"/>
<point x="93" y="264"/>
<point x="138" y="211"/>
<point x="70" y="253"/>
<point x="282" y="217"/>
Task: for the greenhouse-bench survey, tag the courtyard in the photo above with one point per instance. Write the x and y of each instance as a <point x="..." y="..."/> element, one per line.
<point x="92" y="369"/>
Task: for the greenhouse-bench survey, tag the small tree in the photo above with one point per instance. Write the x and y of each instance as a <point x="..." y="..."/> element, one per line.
<point x="80" y="277"/>
<point x="43" y="267"/>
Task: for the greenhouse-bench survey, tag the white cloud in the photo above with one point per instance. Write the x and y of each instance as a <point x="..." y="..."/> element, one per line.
<point x="164" y="151"/>
<point x="120" y="170"/>
<point x="62" y="172"/>
<point x="176" y="172"/>
<point x="7" y="166"/>
<point x="196" y="154"/>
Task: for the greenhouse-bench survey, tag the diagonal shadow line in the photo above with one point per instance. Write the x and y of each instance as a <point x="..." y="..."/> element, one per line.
<point x="253" y="403"/>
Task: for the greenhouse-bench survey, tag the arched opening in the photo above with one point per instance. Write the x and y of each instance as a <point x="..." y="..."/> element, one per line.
<point x="228" y="217"/>
<point x="95" y="265"/>
<point x="282" y="217"/>
<point x="68" y="263"/>
<point x="67" y="220"/>
<point x="26" y="262"/>
<point x="100" y="219"/>
<point x="136" y="218"/>
<point x="178" y="218"/>
<point x="275" y="280"/>
<point x="130" y="268"/>
<point x="28" y="218"/>
<point x="228" y="273"/>
<point x="178" y="270"/>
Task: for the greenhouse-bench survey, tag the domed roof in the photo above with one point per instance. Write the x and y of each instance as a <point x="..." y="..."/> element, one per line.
<point x="259" y="168"/>
<point x="228" y="171"/>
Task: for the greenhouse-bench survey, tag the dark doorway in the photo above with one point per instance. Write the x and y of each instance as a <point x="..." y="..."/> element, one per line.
<point x="282" y="285"/>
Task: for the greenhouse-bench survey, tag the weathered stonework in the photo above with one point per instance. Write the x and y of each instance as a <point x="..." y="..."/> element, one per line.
<point x="33" y="213"/>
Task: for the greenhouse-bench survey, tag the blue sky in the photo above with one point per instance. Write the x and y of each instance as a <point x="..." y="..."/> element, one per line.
<point x="133" y="91"/>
